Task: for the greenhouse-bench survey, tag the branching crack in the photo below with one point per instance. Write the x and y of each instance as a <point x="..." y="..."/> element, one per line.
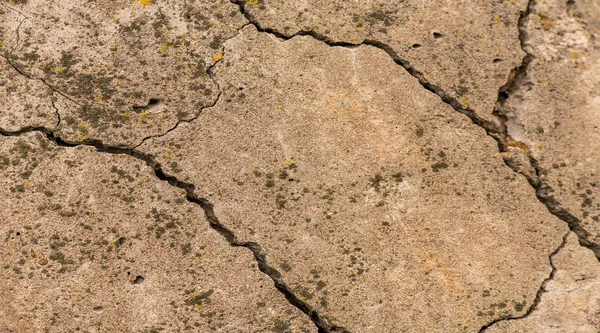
<point x="211" y="74"/>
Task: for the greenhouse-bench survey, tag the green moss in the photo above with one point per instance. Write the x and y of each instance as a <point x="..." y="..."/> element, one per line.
<point x="200" y="298"/>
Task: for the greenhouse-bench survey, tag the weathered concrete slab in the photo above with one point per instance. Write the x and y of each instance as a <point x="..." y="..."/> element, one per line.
<point x="133" y="68"/>
<point x="555" y="109"/>
<point x="93" y="242"/>
<point x="571" y="302"/>
<point x="382" y="207"/>
<point x="24" y="102"/>
<point x="467" y="48"/>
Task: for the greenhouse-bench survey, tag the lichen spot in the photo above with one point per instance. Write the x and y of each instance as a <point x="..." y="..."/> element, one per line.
<point x="252" y="2"/>
<point x="289" y="162"/>
<point x="217" y="56"/>
<point x="146" y="2"/>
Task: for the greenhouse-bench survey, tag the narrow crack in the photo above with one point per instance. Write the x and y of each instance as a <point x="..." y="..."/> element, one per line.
<point x="322" y="323"/>
<point x="540" y="292"/>
<point x="211" y="74"/>
<point x="18" y="70"/>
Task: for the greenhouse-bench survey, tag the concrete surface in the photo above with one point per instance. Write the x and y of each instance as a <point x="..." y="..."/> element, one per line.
<point x="363" y="202"/>
<point x="555" y="108"/>
<point x="570" y="302"/>
<point x="307" y="166"/>
<point x="95" y="243"/>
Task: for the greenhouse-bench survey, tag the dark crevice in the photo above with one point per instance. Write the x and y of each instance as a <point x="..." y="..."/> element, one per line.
<point x="540" y="292"/>
<point x="322" y="323"/>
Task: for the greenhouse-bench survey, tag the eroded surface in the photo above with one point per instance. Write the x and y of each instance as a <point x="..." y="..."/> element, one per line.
<point x="348" y="191"/>
<point x="555" y="109"/>
<point x="94" y="242"/>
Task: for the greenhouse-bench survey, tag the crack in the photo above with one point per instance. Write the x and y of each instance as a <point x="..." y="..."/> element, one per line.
<point x="211" y="74"/>
<point x="540" y="292"/>
<point x="518" y="81"/>
<point x="322" y="323"/>
<point x="21" y="72"/>
<point x="57" y="116"/>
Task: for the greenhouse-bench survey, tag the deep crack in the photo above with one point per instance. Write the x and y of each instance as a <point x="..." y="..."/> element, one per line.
<point x="322" y="324"/>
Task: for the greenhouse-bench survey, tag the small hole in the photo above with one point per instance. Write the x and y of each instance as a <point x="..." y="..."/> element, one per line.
<point x="437" y="35"/>
<point x="291" y="179"/>
<point x="496" y="60"/>
<point x="416" y="46"/>
<point x="121" y="240"/>
<point x="241" y="88"/>
<point x="138" y="280"/>
<point x="128" y="273"/>
<point x="18" y="233"/>
<point x="153" y="101"/>
<point x="98" y="308"/>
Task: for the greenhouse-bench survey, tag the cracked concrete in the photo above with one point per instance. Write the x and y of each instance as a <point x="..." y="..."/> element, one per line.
<point x="130" y="70"/>
<point x="554" y="110"/>
<point x="347" y="191"/>
<point x="466" y="48"/>
<point x="341" y="172"/>
<point x="100" y="244"/>
<point x="569" y="302"/>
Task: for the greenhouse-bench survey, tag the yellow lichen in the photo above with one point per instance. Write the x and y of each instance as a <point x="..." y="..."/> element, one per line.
<point x="289" y="162"/>
<point x="497" y="19"/>
<point x="146" y="2"/>
<point x="164" y="47"/>
<point x="252" y="2"/>
<point x="217" y="56"/>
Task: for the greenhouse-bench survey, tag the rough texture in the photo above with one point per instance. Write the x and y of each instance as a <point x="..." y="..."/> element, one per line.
<point x="343" y="173"/>
<point x="555" y="107"/>
<point x="24" y="102"/>
<point x="467" y="48"/>
<point x="94" y="242"/>
<point x="571" y="301"/>
<point x="133" y="68"/>
<point x="299" y="166"/>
